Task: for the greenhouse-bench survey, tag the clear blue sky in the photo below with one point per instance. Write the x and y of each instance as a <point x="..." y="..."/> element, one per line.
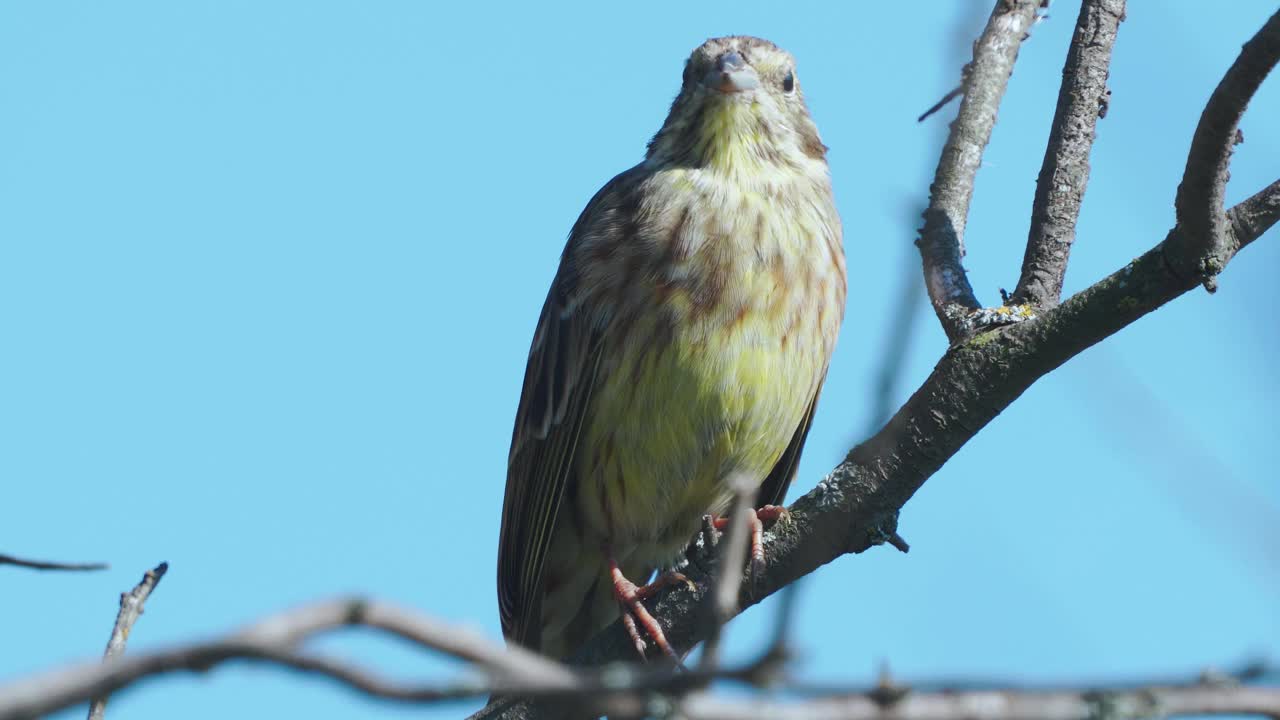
<point x="269" y="271"/>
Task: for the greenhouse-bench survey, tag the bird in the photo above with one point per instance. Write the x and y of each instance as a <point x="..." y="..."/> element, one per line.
<point x="682" y="348"/>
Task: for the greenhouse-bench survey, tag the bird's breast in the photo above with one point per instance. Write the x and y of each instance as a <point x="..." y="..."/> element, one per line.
<point x="725" y="328"/>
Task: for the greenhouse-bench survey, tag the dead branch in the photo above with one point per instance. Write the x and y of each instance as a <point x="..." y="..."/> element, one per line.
<point x="131" y="607"/>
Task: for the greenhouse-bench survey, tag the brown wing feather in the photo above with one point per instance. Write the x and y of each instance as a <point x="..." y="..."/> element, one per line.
<point x="774" y="488"/>
<point x="557" y="389"/>
<point x="557" y="386"/>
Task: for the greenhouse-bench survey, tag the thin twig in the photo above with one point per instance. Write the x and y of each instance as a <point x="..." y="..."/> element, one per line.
<point x="1203" y="245"/>
<point x="131" y="607"/>
<point x="733" y="557"/>
<point x="276" y="639"/>
<point x="952" y="94"/>
<point x="1065" y="171"/>
<point x="43" y="565"/>
<point x="941" y="239"/>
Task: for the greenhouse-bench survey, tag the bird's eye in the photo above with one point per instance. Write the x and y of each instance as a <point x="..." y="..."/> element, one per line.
<point x="789" y="82"/>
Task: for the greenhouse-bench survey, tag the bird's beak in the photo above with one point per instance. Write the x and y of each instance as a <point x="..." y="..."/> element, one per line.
<point x="732" y="74"/>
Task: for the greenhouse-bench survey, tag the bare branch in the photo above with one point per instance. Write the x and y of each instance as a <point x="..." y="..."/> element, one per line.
<point x="998" y="705"/>
<point x="131" y="606"/>
<point x="624" y="690"/>
<point x="274" y="640"/>
<point x="1204" y="244"/>
<point x="43" y="565"/>
<point x="1065" y="172"/>
<point x="1254" y="216"/>
<point x="621" y="691"/>
<point x="941" y="240"/>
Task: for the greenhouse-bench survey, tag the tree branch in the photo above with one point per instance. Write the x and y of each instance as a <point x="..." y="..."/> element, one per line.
<point x="1065" y="172"/>
<point x="43" y="565"/>
<point x="1004" y="705"/>
<point x="1204" y="244"/>
<point x="1252" y="217"/>
<point x="941" y="240"/>
<point x="131" y="606"/>
<point x="275" y="640"/>
<point x="621" y="691"/>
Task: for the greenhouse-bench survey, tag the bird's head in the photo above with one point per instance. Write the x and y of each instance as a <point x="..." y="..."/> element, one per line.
<point x="740" y="105"/>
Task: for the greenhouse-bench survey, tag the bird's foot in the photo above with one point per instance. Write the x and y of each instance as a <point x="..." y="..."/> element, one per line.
<point x="757" y="518"/>
<point x="635" y="615"/>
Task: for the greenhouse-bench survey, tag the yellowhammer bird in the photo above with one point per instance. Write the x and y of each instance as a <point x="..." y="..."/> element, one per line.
<point x="683" y="343"/>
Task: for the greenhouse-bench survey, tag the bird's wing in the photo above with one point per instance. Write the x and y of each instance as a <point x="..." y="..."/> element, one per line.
<point x="774" y="488"/>
<point x="558" y="383"/>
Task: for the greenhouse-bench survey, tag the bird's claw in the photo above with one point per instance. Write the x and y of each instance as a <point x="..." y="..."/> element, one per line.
<point x="635" y="615"/>
<point x="757" y="518"/>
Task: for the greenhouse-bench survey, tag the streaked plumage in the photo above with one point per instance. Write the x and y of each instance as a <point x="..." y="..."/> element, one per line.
<point x="684" y="340"/>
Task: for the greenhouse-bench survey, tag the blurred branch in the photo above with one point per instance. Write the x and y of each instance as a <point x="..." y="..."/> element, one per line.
<point x="42" y="565"/>
<point x="1065" y="172"/>
<point x="274" y="640"/>
<point x="621" y="691"/>
<point x="131" y="606"/>
<point x="729" y="568"/>
<point x="942" y="237"/>
<point x="624" y="690"/>
<point x="1204" y="244"/>
<point x="905" y="314"/>
<point x="1155" y="432"/>
<point x="896" y="346"/>
<point x="952" y="94"/>
<point x="1142" y="702"/>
